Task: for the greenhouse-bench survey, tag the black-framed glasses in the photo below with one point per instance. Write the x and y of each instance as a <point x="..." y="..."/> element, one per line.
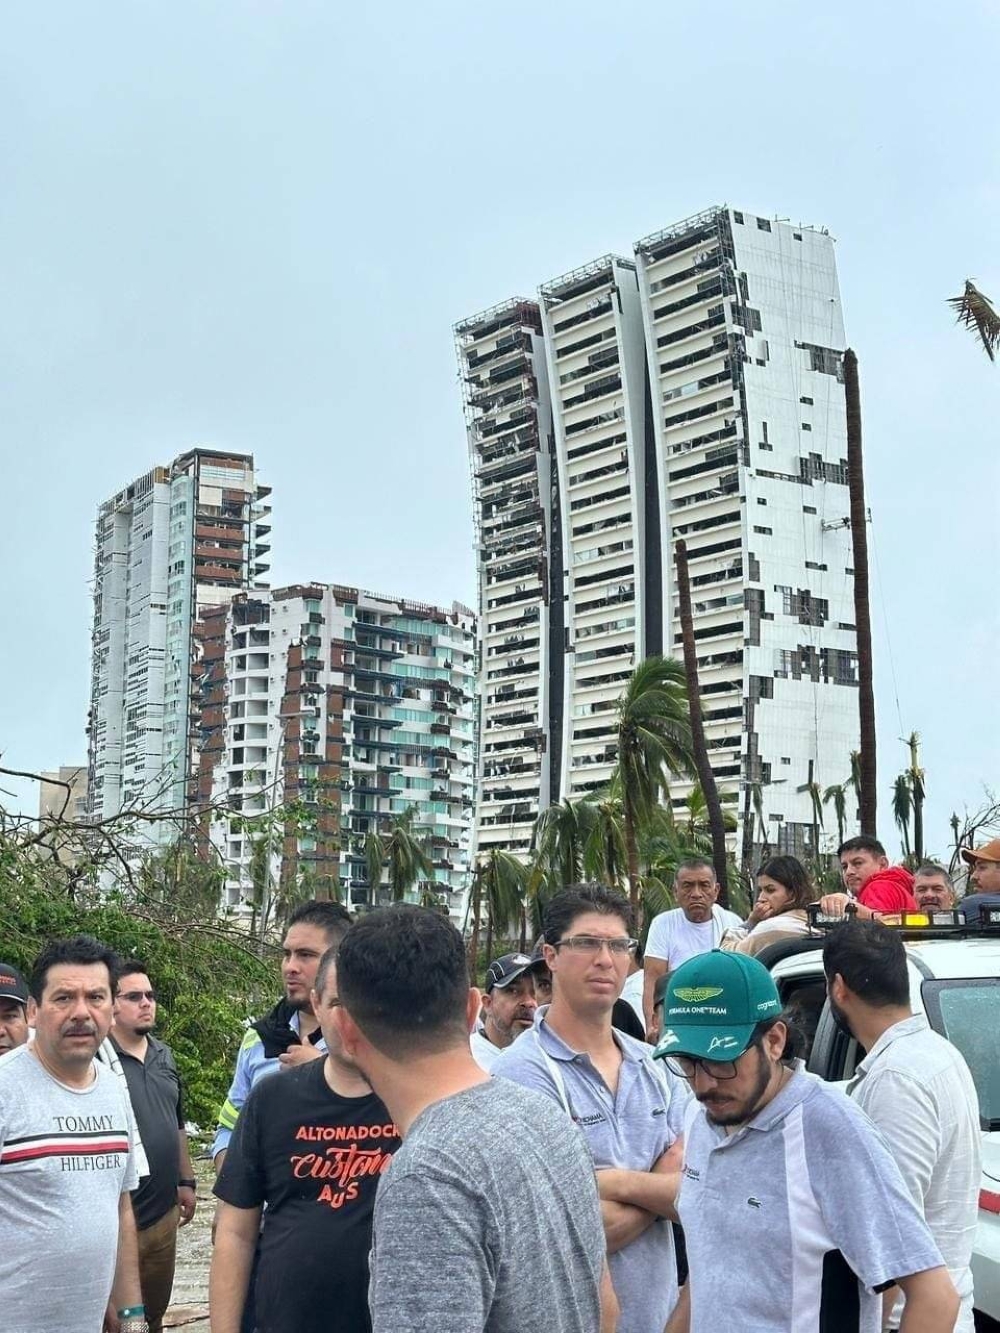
<point x="619" y="947"/>
<point x="686" y="1066"/>
<point x="135" y="996"/>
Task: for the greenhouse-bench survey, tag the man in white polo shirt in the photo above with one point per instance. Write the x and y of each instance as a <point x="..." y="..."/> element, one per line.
<point x="694" y="926"/>
<point x="784" y="1170"/>
<point x="918" y="1090"/>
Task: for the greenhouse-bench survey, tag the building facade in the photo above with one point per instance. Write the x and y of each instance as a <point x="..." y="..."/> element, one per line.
<point x="173" y="543"/>
<point x="695" y="391"/>
<point x="325" y="711"/>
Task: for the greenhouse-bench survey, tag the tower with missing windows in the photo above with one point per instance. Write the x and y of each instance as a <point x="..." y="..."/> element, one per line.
<point x="691" y="390"/>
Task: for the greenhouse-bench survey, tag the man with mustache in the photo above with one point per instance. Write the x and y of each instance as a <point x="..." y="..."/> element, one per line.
<point x="508" y="1007"/>
<point x="69" y="1260"/>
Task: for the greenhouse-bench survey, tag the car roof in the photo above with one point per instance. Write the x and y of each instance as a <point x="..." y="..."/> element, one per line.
<point x="942" y="958"/>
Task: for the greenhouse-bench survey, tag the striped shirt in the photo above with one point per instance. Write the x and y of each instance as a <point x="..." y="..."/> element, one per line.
<point x="809" y="1195"/>
<point x="65" y="1160"/>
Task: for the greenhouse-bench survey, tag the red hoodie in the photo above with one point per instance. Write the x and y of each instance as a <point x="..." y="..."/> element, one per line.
<point x="889" y="890"/>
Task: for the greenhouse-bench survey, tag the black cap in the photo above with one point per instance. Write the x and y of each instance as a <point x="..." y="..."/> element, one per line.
<point x="506" y="969"/>
<point x="12" y="985"/>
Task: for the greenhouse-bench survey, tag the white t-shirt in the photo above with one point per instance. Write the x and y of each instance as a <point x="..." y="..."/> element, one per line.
<point x="483" y="1051"/>
<point x="632" y="992"/>
<point x="675" y="939"/>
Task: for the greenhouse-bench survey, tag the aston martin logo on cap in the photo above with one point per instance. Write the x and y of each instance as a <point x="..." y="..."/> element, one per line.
<point x="697" y="994"/>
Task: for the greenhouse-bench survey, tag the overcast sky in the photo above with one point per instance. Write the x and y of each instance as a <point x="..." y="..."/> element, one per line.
<point x="251" y="225"/>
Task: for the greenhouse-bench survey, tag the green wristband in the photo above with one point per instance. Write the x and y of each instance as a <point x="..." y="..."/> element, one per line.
<point x="132" y="1312"/>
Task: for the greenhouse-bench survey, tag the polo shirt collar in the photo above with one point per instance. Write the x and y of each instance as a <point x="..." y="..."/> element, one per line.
<point x="793" y="1094"/>
<point x="552" y="1044"/>
<point x="906" y="1028"/>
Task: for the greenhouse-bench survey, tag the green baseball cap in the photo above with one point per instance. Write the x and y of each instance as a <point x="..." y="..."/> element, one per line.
<point x="713" y="1003"/>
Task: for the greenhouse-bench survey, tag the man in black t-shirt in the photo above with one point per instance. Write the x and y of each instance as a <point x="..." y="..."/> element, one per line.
<point x="311" y="1146"/>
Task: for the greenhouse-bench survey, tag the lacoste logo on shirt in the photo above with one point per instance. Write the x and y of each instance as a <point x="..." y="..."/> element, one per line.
<point x="754" y="1203"/>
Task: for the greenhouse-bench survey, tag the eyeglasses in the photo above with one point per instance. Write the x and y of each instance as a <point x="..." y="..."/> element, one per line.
<point x="593" y="944"/>
<point x="134" y="996"/>
<point x="686" y="1066"/>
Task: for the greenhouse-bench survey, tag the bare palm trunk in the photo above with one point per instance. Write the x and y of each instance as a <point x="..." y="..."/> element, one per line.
<point x="632" y="853"/>
<point x="477" y="908"/>
<point x="706" y="778"/>
<point x="868" y="799"/>
<point x="489" y="933"/>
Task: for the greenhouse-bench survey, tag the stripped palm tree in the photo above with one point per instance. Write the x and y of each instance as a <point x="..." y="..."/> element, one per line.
<point x="499" y="882"/>
<point x="838" y="795"/>
<point x="816" y="800"/>
<point x="867" y="785"/>
<point x="916" y="775"/>
<point x="402" y="851"/>
<point x="976" y="312"/>
<point x="654" y="741"/>
<point x="605" y="857"/>
<point x="902" y="808"/>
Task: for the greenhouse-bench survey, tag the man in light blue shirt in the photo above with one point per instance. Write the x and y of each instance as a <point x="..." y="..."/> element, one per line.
<point x="629" y="1109"/>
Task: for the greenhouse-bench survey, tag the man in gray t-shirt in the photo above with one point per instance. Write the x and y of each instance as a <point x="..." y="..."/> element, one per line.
<point x="66" y="1163"/>
<point x="490" y="1204"/>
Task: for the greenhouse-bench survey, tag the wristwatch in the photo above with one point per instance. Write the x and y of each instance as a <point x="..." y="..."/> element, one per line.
<point x="187" y="1184"/>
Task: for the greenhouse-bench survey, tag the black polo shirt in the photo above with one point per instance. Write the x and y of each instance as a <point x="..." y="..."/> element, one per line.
<point x="155" y="1089"/>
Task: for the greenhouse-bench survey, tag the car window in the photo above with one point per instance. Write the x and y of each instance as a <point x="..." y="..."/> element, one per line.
<point x="967" y="1011"/>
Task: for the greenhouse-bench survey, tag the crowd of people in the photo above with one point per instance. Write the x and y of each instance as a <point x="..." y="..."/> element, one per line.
<point x="602" y="1140"/>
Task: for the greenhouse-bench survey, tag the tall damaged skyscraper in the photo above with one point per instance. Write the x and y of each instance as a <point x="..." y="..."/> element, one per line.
<point x="692" y="389"/>
<point x="176" y="541"/>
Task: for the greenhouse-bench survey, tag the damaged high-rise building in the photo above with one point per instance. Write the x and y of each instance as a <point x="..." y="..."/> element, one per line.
<point x="324" y="713"/>
<point x="693" y="389"/>
<point x="175" y="542"/>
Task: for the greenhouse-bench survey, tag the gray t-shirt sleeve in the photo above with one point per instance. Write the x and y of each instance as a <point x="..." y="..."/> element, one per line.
<point x="865" y="1203"/>
<point x="440" y="1226"/>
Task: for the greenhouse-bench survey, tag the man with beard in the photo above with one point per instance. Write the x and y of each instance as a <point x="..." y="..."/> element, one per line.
<point x="289" y="1034"/>
<point x="917" y="1088"/>
<point x="508" y="1007"/>
<point x="165" y="1198"/>
<point x="68" y="1261"/>
<point x="307" y="1155"/>
<point x="778" y="1162"/>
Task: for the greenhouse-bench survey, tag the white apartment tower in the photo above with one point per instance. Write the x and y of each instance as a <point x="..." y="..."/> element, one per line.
<point x="176" y="541"/>
<point x="696" y="391"/>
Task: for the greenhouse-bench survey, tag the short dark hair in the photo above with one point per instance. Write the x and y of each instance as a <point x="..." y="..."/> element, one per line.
<point x="694" y="863"/>
<point x="80" y="949"/>
<point x="404" y="979"/>
<point x="794" y="1041"/>
<point x="577" y="899"/>
<point x="871" y="960"/>
<point x="332" y="917"/>
<point x="325" y="963"/>
<point x="792" y="875"/>
<point x="863" y="843"/>
<point x="128" y="968"/>
<point x="928" y="868"/>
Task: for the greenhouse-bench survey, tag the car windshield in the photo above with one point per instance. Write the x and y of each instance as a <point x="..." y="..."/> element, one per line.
<point x="967" y="1012"/>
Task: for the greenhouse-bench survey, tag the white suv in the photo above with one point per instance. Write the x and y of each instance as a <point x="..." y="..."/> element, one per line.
<point x="955" y="980"/>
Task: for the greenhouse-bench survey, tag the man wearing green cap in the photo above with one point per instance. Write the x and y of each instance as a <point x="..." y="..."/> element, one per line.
<point x="776" y="1161"/>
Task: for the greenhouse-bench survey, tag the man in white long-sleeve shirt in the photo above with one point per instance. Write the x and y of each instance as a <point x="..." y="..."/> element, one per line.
<point x="917" y="1088"/>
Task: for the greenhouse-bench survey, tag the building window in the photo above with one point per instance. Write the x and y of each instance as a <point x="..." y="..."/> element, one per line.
<point x="763" y="224"/>
<point x="806" y="425"/>
<point x="796" y="236"/>
<point x="761" y="500"/>
<point x="808" y="401"/>
<point x="765" y="532"/>
<point x="738" y="217"/>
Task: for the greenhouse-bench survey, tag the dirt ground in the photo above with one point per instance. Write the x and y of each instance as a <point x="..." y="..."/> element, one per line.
<point x="189" y="1306"/>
